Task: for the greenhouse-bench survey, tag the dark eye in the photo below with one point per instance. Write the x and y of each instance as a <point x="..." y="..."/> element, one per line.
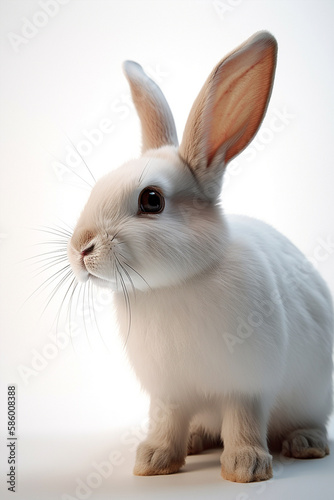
<point x="151" y="201"/>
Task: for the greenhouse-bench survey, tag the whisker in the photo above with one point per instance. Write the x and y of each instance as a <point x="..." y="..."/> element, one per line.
<point x="46" y="258"/>
<point x="82" y="159"/>
<point x="54" y="231"/>
<point x="57" y="260"/>
<point x="60" y="230"/>
<point x="127" y="304"/>
<point x="144" y="170"/>
<point x="115" y="236"/>
<point x="63" y="301"/>
<point x="62" y="281"/>
<point x="62" y="243"/>
<point x="83" y="316"/>
<point x="71" y="300"/>
<point x="48" y="265"/>
<point x="71" y="229"/>
<point x="70" y="312"/>
<point x="132" y="269"/>
<point x="54" y="276"/>
<point x="69" y="168"/>
<point x="95" y="318"/>
<point x="47" y="282"/>
<point x="79" y="299"/>
<point x="126" y="274"/>
<point x="89" y="298"/>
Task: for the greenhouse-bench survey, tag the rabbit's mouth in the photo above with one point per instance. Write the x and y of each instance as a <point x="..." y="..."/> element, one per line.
<point x="77" y="262"/>
<point x="86" y="266"/>
<point x="85" y="270"/>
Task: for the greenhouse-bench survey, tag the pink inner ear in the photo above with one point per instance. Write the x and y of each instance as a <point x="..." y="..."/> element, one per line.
<point x="231" y="104"/>
<point x="239" y="106"/>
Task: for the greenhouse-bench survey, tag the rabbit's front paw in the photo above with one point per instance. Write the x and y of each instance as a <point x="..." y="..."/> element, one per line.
<point x="246" y="464"/>
<point x="152" y="461"/>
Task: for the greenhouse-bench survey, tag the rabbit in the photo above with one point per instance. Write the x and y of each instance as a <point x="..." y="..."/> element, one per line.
<point x="227" y="326"/>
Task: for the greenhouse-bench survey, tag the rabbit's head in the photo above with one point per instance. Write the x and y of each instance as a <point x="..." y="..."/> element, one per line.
<point x="155" y="222"/>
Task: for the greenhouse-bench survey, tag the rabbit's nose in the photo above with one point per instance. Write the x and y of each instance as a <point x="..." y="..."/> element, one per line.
<point x="87" y="250"/>
<point x="82" y="241"/>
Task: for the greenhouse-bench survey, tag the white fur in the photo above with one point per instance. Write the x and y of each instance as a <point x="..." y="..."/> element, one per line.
<point x="231" y="328"/>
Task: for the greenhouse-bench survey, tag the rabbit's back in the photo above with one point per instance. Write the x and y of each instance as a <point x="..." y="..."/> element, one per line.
<point x="305" y="393"/>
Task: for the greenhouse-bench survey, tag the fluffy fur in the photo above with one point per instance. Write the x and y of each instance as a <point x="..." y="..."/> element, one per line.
<point x="231" y="328"/>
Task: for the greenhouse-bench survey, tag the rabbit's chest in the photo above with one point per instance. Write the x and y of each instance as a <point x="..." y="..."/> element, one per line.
<point x="182" y="343"/>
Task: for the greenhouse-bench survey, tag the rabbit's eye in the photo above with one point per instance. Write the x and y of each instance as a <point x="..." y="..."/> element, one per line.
<point x="151" y="201"/>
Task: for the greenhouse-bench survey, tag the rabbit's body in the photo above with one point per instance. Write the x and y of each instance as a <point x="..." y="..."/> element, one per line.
<point x="259" y="322"/>
<point x="226" y="325"/>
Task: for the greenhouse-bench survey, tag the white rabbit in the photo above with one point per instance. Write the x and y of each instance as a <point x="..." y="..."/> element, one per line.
<point x="227" y="326"/>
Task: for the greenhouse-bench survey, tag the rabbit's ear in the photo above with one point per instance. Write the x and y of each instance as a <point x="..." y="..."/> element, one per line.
<point x="229" y="109"/>
<point x="157" y="122"/>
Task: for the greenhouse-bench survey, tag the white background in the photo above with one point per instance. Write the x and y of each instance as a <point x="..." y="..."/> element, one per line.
<point x="61" y="79"/>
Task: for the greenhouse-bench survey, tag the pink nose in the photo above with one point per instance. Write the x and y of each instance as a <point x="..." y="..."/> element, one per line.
<point x="87" y="250"/>
<point x="82" y="241"/>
